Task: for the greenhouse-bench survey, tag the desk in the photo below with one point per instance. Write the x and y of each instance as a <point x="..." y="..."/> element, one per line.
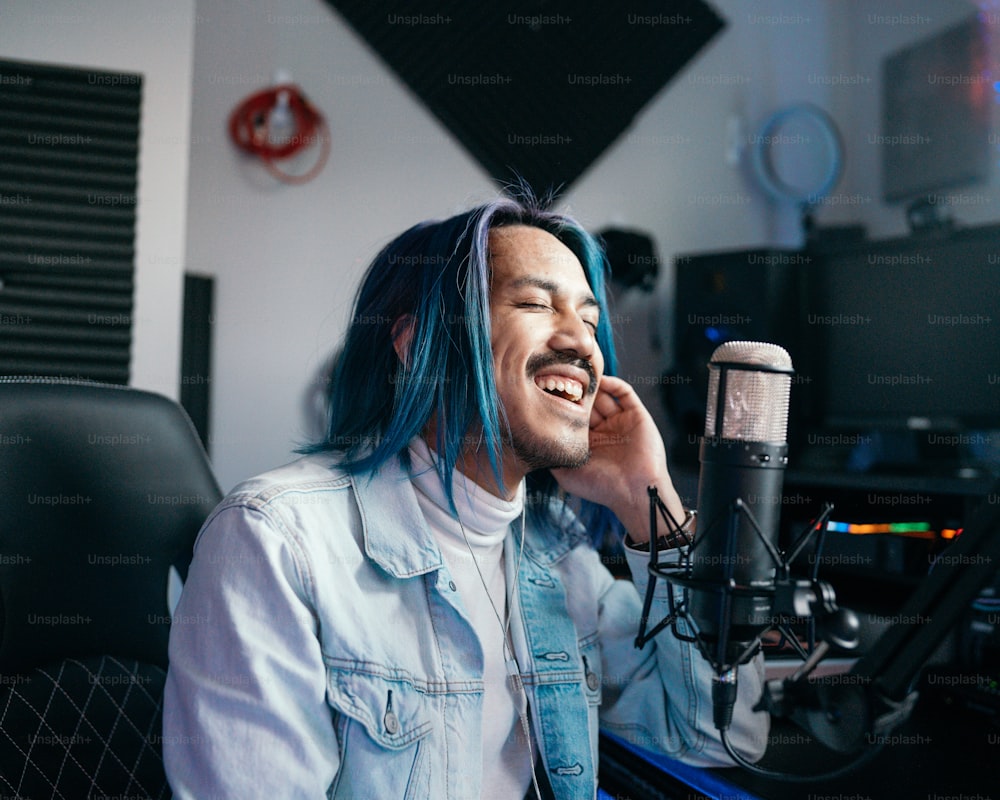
<point x="941" y="753"/>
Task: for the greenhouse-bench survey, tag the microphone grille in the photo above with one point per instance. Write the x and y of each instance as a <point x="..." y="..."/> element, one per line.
<point x="755" y="407"/>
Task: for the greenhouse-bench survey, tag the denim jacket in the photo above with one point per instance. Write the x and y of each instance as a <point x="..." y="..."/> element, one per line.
<point x="320" y="649"/>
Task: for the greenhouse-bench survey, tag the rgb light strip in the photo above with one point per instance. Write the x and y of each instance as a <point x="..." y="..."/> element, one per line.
<point x="916" y="530"/>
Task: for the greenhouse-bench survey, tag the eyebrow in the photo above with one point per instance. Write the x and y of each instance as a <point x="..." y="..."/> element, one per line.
<point x="552" y="288"/>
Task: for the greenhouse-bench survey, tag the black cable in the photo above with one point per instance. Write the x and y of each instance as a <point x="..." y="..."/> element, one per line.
<point x="789" y="777"/>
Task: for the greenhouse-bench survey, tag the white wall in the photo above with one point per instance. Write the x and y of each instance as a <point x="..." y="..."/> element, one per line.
<point x="680" y="171"/>
<point x="156" y="40"/>
<point x="287" y="259"/>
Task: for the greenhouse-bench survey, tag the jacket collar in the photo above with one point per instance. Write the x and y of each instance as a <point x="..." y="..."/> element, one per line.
<point x="395" y="534"/>
<point x="549" y="544"/>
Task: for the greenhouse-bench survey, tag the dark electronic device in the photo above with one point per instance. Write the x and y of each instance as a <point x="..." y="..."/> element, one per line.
<point x="937" y="107"/>
<point x="902" y="337"/>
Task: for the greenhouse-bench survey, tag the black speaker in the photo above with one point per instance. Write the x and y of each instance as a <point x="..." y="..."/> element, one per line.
<point x="196" y="352"/>
<point x="750" y="295"/>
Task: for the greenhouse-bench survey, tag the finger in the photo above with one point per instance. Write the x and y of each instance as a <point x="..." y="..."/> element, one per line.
<point x="621" y="390"/>
<point x="605" y="404"/>
<point x="614" y="385"/>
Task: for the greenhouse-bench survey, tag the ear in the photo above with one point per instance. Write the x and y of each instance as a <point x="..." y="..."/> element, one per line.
<point x="402" y="337"/>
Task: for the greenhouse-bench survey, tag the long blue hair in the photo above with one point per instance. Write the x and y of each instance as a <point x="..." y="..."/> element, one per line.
<point x="436" y="275"/>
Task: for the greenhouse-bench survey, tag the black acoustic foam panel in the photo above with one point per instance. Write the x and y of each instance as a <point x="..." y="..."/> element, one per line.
<point x="533" y="90"/>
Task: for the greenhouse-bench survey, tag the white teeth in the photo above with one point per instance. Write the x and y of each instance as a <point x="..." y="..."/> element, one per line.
<point x="573" y="390"/>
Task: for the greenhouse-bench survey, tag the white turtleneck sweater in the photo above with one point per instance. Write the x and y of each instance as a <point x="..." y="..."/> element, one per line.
<point x="486" y="519"/>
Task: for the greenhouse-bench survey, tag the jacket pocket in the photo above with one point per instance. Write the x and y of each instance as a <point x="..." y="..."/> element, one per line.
<point x="383" y="728"/>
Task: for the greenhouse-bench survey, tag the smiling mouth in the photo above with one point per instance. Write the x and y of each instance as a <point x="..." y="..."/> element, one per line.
<point x="565" y="388"/>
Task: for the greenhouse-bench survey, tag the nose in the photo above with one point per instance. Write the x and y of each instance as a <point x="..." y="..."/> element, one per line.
<point x="574" y="336"/>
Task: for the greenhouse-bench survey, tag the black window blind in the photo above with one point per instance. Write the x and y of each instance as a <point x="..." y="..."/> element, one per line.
<point x="69" y="146"/>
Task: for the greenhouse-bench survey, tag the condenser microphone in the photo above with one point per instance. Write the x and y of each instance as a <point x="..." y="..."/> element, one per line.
<point x="732" y="590"/>
<point x="743" y="457"/>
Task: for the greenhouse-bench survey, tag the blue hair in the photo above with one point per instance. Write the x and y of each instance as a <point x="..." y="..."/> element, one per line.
<point x="433" y="282"/>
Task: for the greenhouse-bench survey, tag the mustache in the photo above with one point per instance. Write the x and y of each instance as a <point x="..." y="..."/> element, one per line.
<point x="540" y="361"/>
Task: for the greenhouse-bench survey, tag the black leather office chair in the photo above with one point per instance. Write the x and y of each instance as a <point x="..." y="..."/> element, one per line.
<point x="102" y="489"/>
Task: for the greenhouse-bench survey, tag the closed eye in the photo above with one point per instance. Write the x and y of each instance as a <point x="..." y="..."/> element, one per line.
<point x="531" y="304"/>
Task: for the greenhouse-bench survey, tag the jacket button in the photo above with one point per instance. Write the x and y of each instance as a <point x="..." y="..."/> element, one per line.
<point x="592" y="681"/>
<point x="391" y="723"/>
<point x="452" y="586"/>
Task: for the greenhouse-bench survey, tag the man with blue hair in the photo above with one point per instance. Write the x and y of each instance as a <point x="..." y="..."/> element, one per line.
<point x="413" y="609"/>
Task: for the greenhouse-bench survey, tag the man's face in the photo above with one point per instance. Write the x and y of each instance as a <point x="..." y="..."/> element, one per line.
<point x="545" y="355"/>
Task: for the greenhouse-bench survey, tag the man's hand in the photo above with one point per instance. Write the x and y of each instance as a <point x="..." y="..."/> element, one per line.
<point x="626" y="457"/>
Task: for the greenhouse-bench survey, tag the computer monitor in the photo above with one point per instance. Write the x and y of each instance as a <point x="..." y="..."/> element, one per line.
<point x="937" y="106"/>
<point x="904" y="334"/>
